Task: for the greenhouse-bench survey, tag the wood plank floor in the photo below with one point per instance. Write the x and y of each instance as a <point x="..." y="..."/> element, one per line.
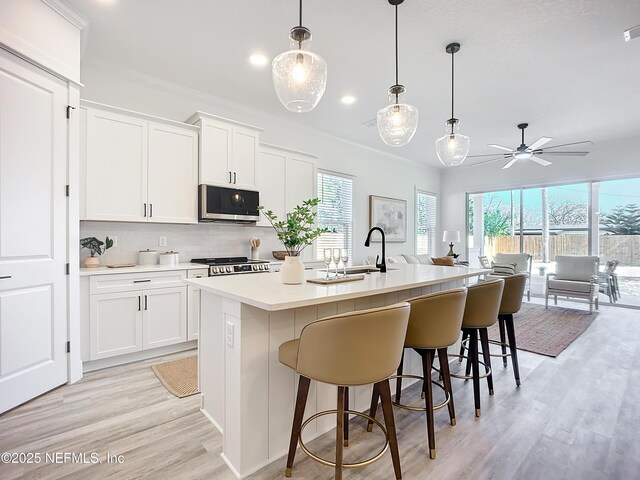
<point x="575" y="417"/>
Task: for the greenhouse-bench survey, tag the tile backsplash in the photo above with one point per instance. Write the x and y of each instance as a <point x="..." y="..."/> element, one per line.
<point x="190" y="241"/>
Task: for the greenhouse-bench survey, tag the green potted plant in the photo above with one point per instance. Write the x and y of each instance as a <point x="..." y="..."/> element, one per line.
<point x="95" y="247"/>
<point x="296" y="233"/>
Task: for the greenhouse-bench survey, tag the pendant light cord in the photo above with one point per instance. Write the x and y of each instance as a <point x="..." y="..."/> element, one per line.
<point x="300" y="13"/>
<point x="396" y="49"/>
<point x="452" y="90"/>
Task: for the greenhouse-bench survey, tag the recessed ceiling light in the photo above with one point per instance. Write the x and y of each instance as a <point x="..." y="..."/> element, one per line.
<point x="107" y="2"/>
<point x="258" y="60"/>
<point x="348" y="99"/>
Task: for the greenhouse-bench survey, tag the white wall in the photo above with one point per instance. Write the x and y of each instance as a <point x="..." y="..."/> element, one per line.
<point x="612" y="159"/>
<point x="376" y="173"/>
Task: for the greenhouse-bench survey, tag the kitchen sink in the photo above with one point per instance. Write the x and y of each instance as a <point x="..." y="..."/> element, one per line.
<point x="357" y="269"/>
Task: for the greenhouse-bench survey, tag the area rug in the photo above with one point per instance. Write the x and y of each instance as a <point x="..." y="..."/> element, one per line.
<point x="180" y="376"/>
<point x="546" y="331"/>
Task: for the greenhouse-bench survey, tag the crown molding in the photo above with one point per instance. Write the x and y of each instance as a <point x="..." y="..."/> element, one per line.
<point x="68" y="12"/>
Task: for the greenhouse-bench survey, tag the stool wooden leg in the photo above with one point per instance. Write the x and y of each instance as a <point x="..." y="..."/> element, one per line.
<point x="473" y="357"/>
<point x="427" y="364"/>
<point x="399" y="380"/>
<point x="346" y="417"/>
<point x="511" y="332"/>
<point x="503" y="340"/>
<point x="486" y="354"/>
<point x="465" y="335"/>
<point x="301" y="402"/>
<point x="375" y="396"/>
<point x="446" y="378"/>
<point x="387" y="409"/>
<point x="339" y="433"/>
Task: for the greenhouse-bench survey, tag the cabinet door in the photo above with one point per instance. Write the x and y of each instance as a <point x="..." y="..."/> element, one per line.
<point x="271" y="183"/>
<point x="173" y="174"/>
<point x="245" y="154"/>
<point x="193" y="305"/>
<point x="300" y="185"/>
<point x="116" y="167"/>
<point x="215" y="153"/>
<point x="164" y="320"/>
<point x="115" y="323"/>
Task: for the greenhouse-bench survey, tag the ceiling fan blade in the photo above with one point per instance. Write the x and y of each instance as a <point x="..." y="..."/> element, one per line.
<point x="484" y="162"/>
<point x="569" y="144"/>
<point x="569" y="154"/>
<point x="487" y="155"/>
<point x="541" y="141"/>
<point x="500" y="147"/>
<point x="511" y="162"/>
<point x="539" y="161"/>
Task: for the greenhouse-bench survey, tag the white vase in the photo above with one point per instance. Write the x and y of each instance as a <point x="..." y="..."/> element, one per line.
<point x="292" y="271"/>
<point x="91" y="262"/>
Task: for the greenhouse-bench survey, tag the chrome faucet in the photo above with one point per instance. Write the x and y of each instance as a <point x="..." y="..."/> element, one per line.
<point x="383" y="265"/>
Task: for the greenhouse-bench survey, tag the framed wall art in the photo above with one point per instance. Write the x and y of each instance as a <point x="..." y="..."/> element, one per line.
<point x="390" y="214"/>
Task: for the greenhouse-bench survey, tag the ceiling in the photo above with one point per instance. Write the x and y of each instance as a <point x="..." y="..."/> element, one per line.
<point x="562" y="66"/>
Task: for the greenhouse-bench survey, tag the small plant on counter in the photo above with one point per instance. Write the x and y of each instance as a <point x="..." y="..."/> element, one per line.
<point x="296" y="232"/>
<point x="95" y="246"/>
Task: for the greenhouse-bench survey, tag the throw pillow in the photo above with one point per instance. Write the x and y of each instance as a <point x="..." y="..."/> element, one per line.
<point x="503" y="268"/>
<point x="411" y="258"/>
<point x="443" y="261"/>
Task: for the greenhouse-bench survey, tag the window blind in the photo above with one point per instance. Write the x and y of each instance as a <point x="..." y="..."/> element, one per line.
<point x="426" y="223"/>
<point x="335" y="212"/>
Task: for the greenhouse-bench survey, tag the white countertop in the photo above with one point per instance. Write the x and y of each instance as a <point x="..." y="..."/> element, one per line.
<point x="103" y="270"/>
<point x="266" y="291"/>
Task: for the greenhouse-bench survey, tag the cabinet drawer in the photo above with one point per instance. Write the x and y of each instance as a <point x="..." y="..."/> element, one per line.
<point x="135" y="281"/>
<point x="199" y="273"/>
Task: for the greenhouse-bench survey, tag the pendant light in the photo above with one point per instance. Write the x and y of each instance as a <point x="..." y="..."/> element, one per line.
<point x="398" y="121"/>
<point x="453" y="147"/>
<point x="299" y="75"/>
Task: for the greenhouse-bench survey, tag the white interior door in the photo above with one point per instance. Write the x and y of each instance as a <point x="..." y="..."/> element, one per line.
<point x="33" y="236"/>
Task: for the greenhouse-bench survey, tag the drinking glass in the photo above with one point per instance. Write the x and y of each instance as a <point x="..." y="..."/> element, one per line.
<point x="336" y="259"/>
<point x="344" y="256"/>
<point x="327" y="261"/>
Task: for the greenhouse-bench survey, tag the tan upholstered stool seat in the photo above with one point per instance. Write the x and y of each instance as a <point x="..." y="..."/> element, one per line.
<point x="288" y="353"/>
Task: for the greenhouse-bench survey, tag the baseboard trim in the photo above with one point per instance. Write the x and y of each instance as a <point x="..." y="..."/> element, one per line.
<point x="94" y="365"/>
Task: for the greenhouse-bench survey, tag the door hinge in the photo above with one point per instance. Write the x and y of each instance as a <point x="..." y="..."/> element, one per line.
<point x="68" y="347"/>
<point x="66" y="190"/>
<point x="67" y="268"/>
<point x="69" y="108"/>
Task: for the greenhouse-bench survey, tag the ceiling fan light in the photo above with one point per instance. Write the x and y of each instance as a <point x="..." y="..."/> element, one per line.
<point x="299" y="77"/>
<point x="398" y="121"/>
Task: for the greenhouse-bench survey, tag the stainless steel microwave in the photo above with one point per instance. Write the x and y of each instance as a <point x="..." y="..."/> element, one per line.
<point x="227" y="204"/>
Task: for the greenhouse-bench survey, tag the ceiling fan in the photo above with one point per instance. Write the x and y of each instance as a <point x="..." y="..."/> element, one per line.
<point x="529" y="152"/>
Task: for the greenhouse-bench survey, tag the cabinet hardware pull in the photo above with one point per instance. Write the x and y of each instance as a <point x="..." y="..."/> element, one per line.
<point x="230" y="177"/>
<point x="139" y="303"/>
<point x="234" y="178"/>
<point x="5" y="277"/>
<point x="198" y="276"/>
<point x="150" y="210"/>
<point x="145" y="210"/>
<point x="142" y="281"/>
<point x="145" y="302"/>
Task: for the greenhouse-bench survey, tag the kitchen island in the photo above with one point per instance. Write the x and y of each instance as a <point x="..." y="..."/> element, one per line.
<point x="247" y="394"/>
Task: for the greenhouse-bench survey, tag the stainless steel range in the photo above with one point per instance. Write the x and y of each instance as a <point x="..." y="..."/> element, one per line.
<point x="233" y="265"/>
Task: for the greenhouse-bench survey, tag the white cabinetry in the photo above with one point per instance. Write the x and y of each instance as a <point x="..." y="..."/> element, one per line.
<point x="193" y="301"/>
<point x="138" y="168"/>
<point x="138" y="311"/>
<point x="287" y="178"/>
<point x="228" y="151"/>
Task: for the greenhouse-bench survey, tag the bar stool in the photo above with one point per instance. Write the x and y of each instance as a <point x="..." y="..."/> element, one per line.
<point x="350" y="349"/>
<point x="434" y="325"/>
<point x="481" y="311"/>
<point x="514" y="286"/>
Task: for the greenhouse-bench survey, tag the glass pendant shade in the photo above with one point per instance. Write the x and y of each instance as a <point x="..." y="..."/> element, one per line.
<point x="398" y="121"/>
<point x="299" y="77"/>
<point x="453" y="147"/>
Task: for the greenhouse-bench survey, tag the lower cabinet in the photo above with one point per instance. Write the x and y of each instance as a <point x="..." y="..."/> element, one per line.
<point x="193" y="308"/>
<point x="138" y="312"/>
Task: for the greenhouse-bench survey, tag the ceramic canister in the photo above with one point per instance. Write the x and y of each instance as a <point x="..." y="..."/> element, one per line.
<point x="147" y="257"/>
<point x="169" y="258"/>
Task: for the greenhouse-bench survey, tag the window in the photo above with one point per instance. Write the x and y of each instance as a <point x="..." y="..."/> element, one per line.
<point x="335" y="213"/>
<point x="425" y="223"/>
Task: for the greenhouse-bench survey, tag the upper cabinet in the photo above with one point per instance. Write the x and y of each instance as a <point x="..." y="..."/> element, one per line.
<point x="228" y="151"/>
<point x="137" y="168"/>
